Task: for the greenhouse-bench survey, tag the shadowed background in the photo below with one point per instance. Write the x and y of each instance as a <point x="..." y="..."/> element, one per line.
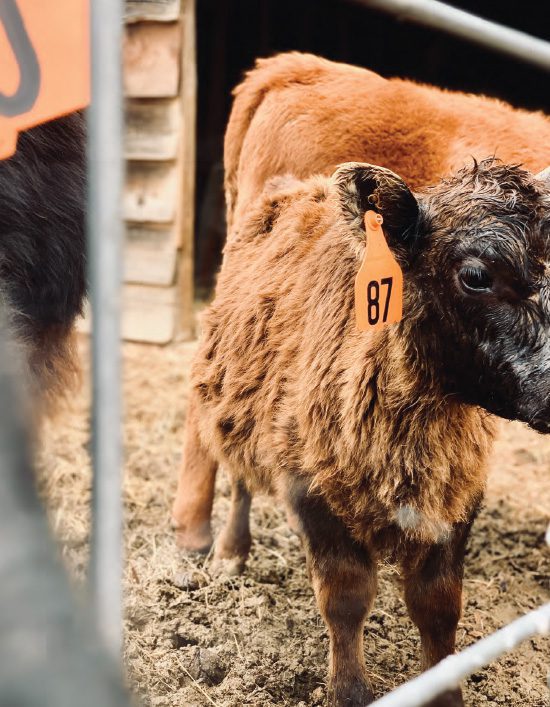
<point x="231" y="35"/>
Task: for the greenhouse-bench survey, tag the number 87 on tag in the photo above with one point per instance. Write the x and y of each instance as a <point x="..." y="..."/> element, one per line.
<point x="379" y="282"/>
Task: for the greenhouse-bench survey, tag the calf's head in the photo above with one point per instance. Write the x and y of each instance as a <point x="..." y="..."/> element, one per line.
<point x="475" y="253"/>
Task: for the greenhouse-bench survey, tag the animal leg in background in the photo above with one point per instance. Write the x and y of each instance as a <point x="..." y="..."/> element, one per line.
<point x="233" y="544"/>
<point x="433" y="593"/>
<point x="195" y="494"/>
<point x="344" y="578"/>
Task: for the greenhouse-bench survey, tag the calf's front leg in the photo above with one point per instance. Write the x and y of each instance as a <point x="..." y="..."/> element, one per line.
<point x="433" y="593"/>
<point x="344" y="581"/>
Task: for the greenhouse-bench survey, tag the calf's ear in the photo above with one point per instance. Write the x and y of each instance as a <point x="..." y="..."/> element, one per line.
<point x="361" y="186"/>
<point x="544" y="176"/>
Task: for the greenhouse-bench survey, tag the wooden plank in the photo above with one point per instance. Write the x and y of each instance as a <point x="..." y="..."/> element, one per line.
<point x="153" y="127"/>
<point x="185" y="312"/>
<point x="159" y="10"/>
<point x="148" y="314"/>
<point x="151" y="236"/>
<point x="151" y="193"/>
<point x="186" y="316"/>
<point x="152" y="59"/>
<point x="149" y="268"/>
<point x="150" y="254"/>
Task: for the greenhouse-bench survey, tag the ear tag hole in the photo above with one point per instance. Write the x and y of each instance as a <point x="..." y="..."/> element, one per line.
<point x="379" y="282"/>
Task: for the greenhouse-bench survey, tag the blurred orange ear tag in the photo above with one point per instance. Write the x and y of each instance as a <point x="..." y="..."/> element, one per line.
<point x="44" y="63"/>
<point x="379" y="282"/>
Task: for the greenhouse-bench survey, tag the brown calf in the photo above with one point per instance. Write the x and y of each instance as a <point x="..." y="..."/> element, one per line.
<point x="300" y="114"/>
<point x="376" y="442"/>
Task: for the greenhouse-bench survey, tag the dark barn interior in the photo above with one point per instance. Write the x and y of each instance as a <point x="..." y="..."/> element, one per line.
<point x="232" y="33"/>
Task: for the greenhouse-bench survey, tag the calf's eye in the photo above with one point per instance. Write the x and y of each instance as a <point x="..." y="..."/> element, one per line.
<point x="475" y="279"/>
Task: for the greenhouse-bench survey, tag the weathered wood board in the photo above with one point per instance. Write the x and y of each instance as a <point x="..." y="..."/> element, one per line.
<point x="152" y="59"/>
<point x="186" y="316"/>
<point x="148" y="314"/>
<point x="160" y="86"/>
<point x="153" y="129"/>
<point x="158" y="10"/>
<point x="152" y="192"/>
<point x="150" y="254"/>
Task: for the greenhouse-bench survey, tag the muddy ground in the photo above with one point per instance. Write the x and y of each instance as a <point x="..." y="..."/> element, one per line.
<point x="258" y="639"/>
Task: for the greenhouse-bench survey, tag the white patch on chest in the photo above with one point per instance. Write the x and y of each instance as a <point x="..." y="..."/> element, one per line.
<point x="413" y="522"/>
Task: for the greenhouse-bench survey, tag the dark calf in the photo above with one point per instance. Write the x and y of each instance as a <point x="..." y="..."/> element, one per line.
<point x="42" y="246"/>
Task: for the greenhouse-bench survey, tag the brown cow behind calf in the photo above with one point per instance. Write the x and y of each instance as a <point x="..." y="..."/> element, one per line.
<point x="375" y="441"/>
<point x="300" y="114"/>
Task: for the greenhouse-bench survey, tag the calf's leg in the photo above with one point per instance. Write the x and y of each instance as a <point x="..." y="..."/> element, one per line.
<point x="344" y="580"/>
<point x="195" y="495"/>
<point x="233" y="544"/>
<point x="433" y="593"/>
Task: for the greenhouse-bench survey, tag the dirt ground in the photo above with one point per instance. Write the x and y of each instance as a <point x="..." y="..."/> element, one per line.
<point x="258" y="639"/>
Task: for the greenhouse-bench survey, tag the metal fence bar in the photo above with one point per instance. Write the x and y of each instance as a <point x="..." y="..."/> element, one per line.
<point x="105" y="243"/>
<point x="467" y="26"/>
<point x="49" y="653"/>
<point x="447" y="674"/>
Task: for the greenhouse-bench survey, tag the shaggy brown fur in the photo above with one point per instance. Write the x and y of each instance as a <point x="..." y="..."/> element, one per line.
<point x="377" y="442"/>
<point x="374" y="440"/>
<point x="301" y="114"/>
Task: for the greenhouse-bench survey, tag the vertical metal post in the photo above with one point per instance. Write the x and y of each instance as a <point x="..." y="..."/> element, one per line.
<point x="105" y="172"/>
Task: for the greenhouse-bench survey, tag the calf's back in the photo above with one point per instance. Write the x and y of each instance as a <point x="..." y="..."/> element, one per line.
<point x="301" y="114"/>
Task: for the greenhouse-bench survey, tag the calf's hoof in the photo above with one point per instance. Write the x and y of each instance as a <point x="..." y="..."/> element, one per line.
<point x="230" y="566"/>
<point x="193" y="539"/>
<point x="228" y="558"/>
<point x="352" y="693"/>
<point x="451" y="698"/>
<point x="231" y="551"/>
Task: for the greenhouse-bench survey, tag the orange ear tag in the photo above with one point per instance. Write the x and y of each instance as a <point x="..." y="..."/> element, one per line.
<point x="379" y="282"/>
